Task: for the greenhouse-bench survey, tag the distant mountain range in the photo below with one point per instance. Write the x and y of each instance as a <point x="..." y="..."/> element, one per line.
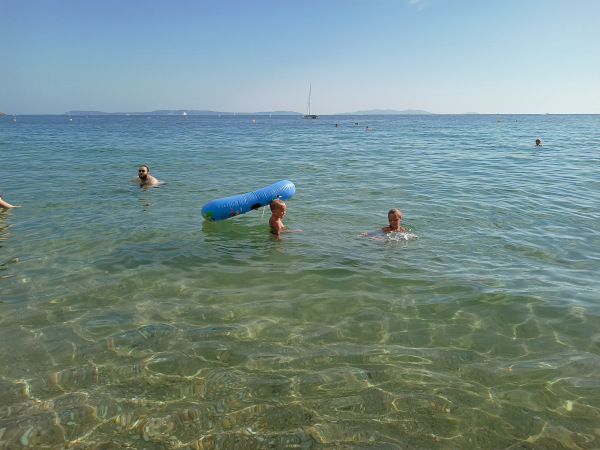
<point x="203" y="112"/>
<point x="180" y="112"/>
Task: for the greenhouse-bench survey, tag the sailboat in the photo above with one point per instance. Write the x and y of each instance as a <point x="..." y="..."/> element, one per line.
<point x="309" y="115"/>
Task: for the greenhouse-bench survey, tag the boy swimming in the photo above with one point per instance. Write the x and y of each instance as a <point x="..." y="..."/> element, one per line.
<point x="277" y="213"/>
<point x="394" y="218"/>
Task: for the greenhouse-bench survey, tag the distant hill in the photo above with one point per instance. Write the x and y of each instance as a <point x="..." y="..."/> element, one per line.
<point x="271" y="113"/>
<point x="204" y="112"/>
<point x="375" y="112"/>
<point x="89" y="113"/>
<point x="179" y="112"/>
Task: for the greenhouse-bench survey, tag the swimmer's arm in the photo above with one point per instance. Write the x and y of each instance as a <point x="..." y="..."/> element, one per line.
<point x="7" y="205"/>
<point x="279" y="228"/>
<point x="282" y="230"/>
<point x="371" y="233"/>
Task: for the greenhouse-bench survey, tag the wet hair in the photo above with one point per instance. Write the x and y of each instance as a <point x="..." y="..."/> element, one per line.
<point x="147" y="168"/>
<point x="276" y="204"/>
<point x="395" y="211"/>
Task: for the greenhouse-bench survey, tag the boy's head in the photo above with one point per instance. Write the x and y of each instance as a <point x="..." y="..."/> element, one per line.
<point x="394" y="215"/>
<point x="277" y="207"/>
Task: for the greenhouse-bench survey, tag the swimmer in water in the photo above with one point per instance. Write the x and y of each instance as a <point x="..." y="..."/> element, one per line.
<point x="144" y="177"/>
<point x="278" y="209"/>
<point x="538" y="143"/>
<point x="394" y="218"/>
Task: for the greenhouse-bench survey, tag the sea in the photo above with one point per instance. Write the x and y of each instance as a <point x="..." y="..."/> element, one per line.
<point x="127" y="320"/>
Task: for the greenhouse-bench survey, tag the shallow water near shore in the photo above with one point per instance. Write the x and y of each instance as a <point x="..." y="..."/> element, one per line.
<point x="126" y="319"/>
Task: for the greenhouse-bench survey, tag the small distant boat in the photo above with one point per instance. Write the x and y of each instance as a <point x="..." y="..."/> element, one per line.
<point x="184" y="113"/>
<point x="308" y="115"/>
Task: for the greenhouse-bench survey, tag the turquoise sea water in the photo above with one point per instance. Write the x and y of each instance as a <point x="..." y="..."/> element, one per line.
<point x="125" y="319"/>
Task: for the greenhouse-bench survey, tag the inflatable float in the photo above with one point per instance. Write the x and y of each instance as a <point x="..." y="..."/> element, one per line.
<point x="224" y="208"/>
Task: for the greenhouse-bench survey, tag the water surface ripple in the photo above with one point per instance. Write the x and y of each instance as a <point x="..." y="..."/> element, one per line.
<point x="126" y="320"/>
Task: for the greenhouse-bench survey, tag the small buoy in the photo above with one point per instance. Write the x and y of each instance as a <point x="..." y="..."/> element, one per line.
<point x="70" y="120"/>
<point x="253" y="120"/>
<point x="499" y="121"/>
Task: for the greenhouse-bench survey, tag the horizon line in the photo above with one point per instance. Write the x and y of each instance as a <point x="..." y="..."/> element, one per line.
<point x="179" y="112"/>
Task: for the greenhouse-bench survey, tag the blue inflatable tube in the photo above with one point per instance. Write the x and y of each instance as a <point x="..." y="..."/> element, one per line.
<point x="223" y="208"/>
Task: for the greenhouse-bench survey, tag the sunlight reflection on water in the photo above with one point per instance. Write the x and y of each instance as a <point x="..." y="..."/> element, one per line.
<point x="128" y="320"/>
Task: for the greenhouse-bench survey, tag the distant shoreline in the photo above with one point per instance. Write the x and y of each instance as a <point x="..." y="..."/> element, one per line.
<point x="193" y="112"/>
<point x="175" y="113"/>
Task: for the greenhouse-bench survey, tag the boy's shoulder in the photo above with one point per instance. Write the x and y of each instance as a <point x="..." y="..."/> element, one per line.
<point x="388" y="229"/>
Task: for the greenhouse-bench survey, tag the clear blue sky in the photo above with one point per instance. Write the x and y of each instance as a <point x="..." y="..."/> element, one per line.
<point x="442" y="56"/>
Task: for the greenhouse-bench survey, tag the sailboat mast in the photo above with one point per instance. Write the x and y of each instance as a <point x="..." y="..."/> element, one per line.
<point x="308" y="115"/>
